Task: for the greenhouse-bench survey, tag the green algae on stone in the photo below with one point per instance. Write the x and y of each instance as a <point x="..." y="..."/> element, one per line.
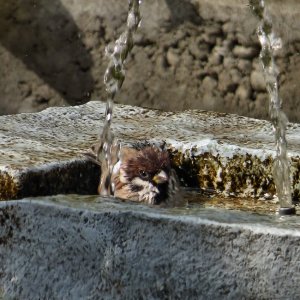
<point x="241" y="175"/>
<point x="8" y="186"/>
<point x="295" y="171"/>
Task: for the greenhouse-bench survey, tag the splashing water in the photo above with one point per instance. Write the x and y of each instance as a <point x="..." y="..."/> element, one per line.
<point x="270" y="43"/>
<point x="108" y="150"/>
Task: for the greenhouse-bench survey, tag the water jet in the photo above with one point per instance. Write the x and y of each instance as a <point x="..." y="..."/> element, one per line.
<point x="269" y="44"/>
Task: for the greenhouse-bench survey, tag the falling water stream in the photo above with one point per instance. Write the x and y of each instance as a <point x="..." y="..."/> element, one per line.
<point x="269" y="44"/>
<point x="108" y="151"/>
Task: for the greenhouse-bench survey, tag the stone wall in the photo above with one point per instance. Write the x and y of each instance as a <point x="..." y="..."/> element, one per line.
<point x="188" y="54"/>
<point x="43" y="153"/>
<point x="69" y="248"/>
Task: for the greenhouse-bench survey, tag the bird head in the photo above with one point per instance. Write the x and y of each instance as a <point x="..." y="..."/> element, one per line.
<point x="143" y="174"/>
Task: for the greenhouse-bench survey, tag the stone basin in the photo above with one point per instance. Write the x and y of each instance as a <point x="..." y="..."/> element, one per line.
<point x="42" y="153"/>
<point x="88" y="247"/>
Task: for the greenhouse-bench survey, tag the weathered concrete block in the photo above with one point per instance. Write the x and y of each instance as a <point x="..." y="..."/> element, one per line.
<point x="41" y="153"/>
<point x="82" y="249"/>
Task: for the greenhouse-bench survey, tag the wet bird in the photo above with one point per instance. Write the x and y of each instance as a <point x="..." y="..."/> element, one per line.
<point x="144" y="174"/>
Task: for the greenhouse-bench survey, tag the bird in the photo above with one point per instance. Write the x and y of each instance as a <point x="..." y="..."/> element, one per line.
<point x="143" y="173"/>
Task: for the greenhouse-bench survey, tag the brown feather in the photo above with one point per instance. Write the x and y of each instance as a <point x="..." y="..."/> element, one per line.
<point x="150" y="159"/>
<point x="128" y="182"/>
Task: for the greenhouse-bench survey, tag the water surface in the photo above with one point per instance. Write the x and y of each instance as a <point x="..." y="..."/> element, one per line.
<point x="199" y="207"/>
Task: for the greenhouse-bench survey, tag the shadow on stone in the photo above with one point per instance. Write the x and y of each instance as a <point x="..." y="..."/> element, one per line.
<point x="45" y="37"/>
<point x="182" y="11"/>
<point x="81" y="177"/>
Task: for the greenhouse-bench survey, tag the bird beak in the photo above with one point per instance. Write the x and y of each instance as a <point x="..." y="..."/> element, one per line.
<point x="160" y="177"/>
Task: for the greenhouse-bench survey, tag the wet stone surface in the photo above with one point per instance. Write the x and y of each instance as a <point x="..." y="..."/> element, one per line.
<point x="41" y="153"/>
<point x="81" y="247"/>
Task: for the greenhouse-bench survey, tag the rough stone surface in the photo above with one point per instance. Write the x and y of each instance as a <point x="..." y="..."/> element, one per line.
<point x="111" y="250"/>
<point x="179" y="44"/>
<point x="41" y="153"/>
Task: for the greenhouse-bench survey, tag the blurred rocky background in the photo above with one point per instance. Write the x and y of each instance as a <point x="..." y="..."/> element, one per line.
<point x="189" y="54"/>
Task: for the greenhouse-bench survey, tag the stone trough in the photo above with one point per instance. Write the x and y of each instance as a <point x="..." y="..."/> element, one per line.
<point x="86" y="247"/>
<point x="75" y="248"/>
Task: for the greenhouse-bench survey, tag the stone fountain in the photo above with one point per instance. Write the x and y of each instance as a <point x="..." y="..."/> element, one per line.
<point x="84" y="247"/>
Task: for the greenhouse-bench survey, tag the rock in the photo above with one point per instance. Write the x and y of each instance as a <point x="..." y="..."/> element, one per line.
<point x="41" y="154"/>
<point x="227" y="45"/>
<point x="28" y="105"/>
<point x="91" y="42"/>
<point x="208" y="100"/>
<point x="199" y="51"/>
<point x="262" y="105"/>
<point x="247" y="40"/>
<point x="179" y="35"/>
<point x="78" y="247"/>
<point x="183" y="44"/>
<point x="227" y="83"/>
<point x="44" y="92"/>
<point x="182" y="70"/>
<point x="256" y="64"/>
<point x="213" y="29"/>
<point x="209" y="39"/>
<point x="235" y="76"/>
<point x="187" y="60"/>
<point x="222" y="50"/>
<point x="24" y="88"/>
<point x="216" y="57"/>
<point x="229" y="62"/>
<point x="230" y="99"/>
<point x="161" y="63"/>
<point x="245" y="66"/>
<point x="245" y="52"/>
<point x="228" y="27"/>
<point x="208" y="84"/>
<point x="204" y="51"/>
<point x="262" y="102"/>
<point x="258" y="81"/>
<point x="173" y="57"/>
<point x="244" y="91"/>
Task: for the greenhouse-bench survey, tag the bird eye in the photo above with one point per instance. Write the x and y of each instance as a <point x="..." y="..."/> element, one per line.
<point x="143" y="174"/>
